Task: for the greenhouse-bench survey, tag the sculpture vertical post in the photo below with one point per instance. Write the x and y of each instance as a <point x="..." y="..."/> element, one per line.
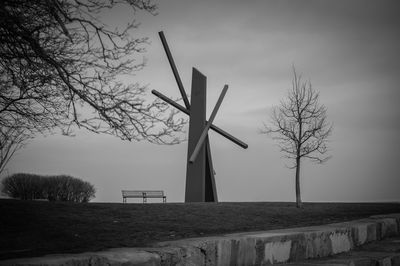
<point x="196" y="171"/>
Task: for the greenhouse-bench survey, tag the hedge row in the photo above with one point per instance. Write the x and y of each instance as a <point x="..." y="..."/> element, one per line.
<point x="52" y="188"/>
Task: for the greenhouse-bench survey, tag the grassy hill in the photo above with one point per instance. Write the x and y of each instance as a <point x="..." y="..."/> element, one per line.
<point x="34" y="228"/>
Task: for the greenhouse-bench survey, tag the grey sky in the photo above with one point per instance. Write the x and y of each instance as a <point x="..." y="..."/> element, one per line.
<point x="347" y="49"/>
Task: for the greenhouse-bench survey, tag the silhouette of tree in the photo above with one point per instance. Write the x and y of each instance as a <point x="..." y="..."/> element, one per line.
<point x="11" y="140"/>
<point x="299" y="125"/>
<point x="54" y="188"/>
<point x="60" y="67"/>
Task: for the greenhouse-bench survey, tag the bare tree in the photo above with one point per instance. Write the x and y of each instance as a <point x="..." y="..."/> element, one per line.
<point x="11" y="140"/>
<point x="300" y="126"/>
<point x="60" y="66"/>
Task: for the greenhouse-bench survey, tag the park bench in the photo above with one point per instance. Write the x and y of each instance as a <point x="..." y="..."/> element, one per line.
<point x="145" y="194"/>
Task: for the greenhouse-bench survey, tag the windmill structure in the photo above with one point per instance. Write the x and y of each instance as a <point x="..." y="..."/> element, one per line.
<point x="200" y="174"/>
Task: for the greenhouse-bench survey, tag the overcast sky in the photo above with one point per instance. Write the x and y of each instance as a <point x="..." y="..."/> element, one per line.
<point x="349" y="50"/>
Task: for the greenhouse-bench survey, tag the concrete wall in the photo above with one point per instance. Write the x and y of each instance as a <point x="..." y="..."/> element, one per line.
<point x="257" y="248"/>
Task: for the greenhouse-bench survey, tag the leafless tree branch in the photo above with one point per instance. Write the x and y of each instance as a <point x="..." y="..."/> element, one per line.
<point x="60" y="66"/>
<point x="11" y="140"/>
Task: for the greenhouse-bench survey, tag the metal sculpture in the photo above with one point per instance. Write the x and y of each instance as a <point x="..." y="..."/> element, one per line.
<point x="200" y="180"/>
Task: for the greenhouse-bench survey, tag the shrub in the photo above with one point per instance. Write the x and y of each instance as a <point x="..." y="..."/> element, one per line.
<point x="53" y="188"/>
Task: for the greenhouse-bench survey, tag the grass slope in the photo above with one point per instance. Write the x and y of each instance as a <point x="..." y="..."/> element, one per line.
<point x="34" y="228"/>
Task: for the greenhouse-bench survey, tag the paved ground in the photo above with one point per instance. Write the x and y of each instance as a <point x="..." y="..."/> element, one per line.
<point x="385" y="252"/>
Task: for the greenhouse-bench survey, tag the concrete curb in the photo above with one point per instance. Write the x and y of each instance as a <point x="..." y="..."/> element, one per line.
<point x="378" y="253"/>
<point x="251" y="248"/>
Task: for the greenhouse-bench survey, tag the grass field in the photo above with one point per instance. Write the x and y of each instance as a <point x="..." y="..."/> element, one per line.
<point x="33" y="228"/>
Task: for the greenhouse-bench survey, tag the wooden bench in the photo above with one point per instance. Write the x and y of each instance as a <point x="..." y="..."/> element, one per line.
<point x="145" y="194"/>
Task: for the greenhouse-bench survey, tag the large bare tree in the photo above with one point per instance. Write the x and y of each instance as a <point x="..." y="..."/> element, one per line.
<point x="60" y="67"/>
<point x="299" y="124"/>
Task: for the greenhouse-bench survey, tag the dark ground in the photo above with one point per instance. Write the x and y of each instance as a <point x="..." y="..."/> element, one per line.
<point x="35" y="228"/>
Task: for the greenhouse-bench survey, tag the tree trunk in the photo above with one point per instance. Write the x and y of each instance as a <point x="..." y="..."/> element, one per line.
<point x="299" y="204"/>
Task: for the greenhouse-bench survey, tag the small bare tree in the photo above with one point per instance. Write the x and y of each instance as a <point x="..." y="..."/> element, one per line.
<point x="11" y="140"/>
<point x="300" y="126"/>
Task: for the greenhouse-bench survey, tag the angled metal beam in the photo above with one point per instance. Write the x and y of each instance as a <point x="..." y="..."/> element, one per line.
<point x="171" y="102"/>
<point x="211" y="188"/>
<point x="174" y="69"/>
<point x="208" y="125"/>
<point x="213" y="127"/>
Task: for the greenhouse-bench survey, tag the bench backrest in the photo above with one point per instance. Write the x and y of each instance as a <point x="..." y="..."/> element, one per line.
<point x="154" y="193"/>
<point x="141" y="193"/>
<point x="132" y="193"/>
